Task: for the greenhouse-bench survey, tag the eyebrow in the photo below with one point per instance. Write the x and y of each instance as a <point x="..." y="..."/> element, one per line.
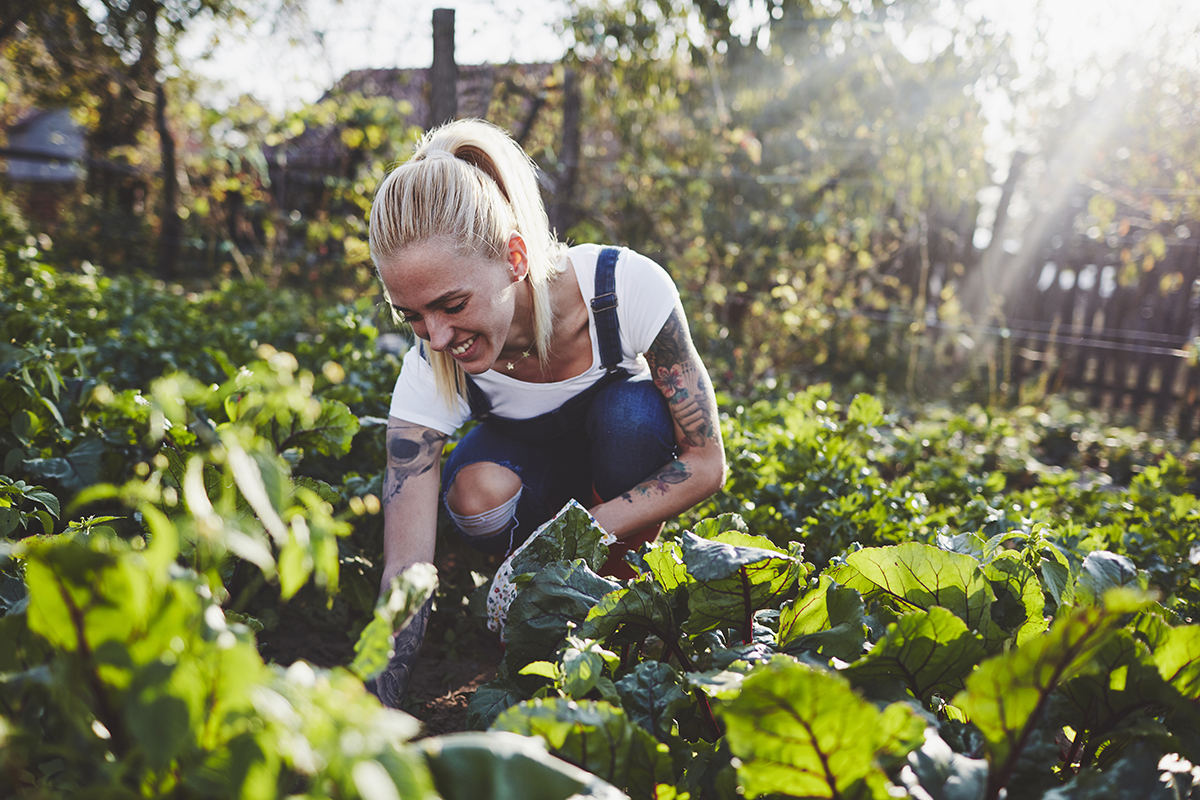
<point x="438" y="302"/>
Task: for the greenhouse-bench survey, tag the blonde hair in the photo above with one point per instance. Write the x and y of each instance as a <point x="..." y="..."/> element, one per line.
<point x="470" y="184"/>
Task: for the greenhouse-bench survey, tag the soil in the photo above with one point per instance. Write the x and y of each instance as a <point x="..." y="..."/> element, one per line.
<point x="441" y="687"/>
<point x="458" y="655"/>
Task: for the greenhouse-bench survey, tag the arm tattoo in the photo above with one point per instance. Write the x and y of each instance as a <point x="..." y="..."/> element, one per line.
<point x="660" y="482"/>
<point x="412" y="450"/>
<point x="681" y="378"/>
<point x="392" y="683"/>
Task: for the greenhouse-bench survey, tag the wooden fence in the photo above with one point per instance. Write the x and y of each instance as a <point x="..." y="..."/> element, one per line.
<point x="1125" y="335"/>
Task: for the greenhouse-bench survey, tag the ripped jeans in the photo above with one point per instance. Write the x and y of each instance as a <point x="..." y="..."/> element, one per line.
<point x="623" y="437"/>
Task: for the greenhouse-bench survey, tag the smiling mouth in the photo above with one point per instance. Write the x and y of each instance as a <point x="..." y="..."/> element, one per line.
<point x="464" y="347"/>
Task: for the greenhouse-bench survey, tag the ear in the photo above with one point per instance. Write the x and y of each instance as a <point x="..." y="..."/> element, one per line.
<point x="518" y="257"/>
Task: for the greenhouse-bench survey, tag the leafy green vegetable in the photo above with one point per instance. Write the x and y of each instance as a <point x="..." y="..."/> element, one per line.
<point x="652" y="696"/>
<point x="731" y="578"/>
<point x="803" y="732"/>
<point x="1005" y="696"/>
<point x="927" y="650"/>
<point x="915" y="576"/>
<point x="597" y="737"/>
<point x="572" y="534"/>
<point x="557" y="600"/>
<point x="505" y="766"/>
<point x="828" y="619"/>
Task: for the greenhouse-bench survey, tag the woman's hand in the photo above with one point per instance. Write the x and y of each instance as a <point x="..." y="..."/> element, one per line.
<point x="699" y="470"/>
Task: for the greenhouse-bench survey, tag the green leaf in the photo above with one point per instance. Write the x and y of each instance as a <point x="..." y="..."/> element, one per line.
<point x="572" y="534"/>
<point x="409" y="591"/>
<point x="541" y="615"/>
<point x="805" y="733"/>
<point x="1178" y="660"/>
<point x="1059" y="574"/>
<point x="597" y="737"/>
<point x="723" y="684"/>
<point x="1020" y="602"/>
<point x="80" y="466"/>
<point x="10" y="520"/>
<point x="582" y="668"/>
<point x="79" y="597"/>
<point x="1006" y="693"/>
<point x="162" y="726"/>
<point x="544" y="669"/>
<point x="1102" y="571"/>
<point x="505" y="766"/>
<point x="914" y="576"/>
<point x="1126" y="682"/>
<point x="828" y="619"/>
<point x="321" y="488"/>
<point x="498" y="694"/>
<point x="45" y="499"/>
<point x="731" y="580"/>
<point x="939" y="772"/>
<point x="865" y="412"/>
<point x="652" y="695"/>
<point x="330" y="434"/>
<point x="928" y="650"/>
<point x="295" y="567"/>
<point x="664" y="559"/>
<point x="713" y="527"/>
<point x="641" y="604"/>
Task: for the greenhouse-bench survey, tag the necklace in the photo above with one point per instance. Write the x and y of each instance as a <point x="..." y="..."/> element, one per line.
<point x="513" y="363"/>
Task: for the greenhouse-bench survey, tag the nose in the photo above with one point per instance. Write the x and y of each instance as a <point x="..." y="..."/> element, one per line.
<point x="440" y="333"/>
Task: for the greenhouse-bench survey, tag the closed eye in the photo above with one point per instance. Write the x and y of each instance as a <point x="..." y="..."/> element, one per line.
<point x="457" y="308"/>
<point x="407" y="316"/>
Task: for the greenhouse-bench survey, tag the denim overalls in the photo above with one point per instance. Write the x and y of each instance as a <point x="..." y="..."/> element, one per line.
<point x="596" y="445"/>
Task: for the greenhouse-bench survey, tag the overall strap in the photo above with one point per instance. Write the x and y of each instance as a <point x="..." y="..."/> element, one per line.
<point x="481" y="407"/>
<point x="608" y="330"/>
<point x="604" y="309"/>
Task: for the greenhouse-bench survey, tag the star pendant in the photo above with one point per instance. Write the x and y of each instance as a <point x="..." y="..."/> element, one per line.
<point x="513" y="364"/>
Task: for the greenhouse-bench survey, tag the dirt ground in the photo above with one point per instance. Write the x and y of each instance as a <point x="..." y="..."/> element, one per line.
<point x="441" y="688"/>
<point x="457" y="656"/>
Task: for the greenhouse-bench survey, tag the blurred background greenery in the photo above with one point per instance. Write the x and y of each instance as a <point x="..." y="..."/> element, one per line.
<point x="895" y="196"/>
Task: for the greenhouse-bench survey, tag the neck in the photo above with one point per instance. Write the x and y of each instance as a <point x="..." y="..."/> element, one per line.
<point x="521" y="334"/>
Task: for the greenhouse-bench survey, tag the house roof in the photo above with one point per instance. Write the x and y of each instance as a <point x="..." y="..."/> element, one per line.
<point x="322" y="151"/>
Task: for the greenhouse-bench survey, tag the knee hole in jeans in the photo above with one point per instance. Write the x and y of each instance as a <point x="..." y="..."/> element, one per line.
<point x="481" y="486"/>
<point x="489" y="522"/>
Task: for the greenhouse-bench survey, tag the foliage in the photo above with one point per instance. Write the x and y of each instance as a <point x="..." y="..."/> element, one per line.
<point x="791" y="193"/>
<point x="129" y="665"/>
<point x="908" y="601"/>
<point x="947" y="659"/>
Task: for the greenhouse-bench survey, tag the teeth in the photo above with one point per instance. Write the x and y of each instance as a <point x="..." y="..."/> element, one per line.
<point x="462" y="348"/>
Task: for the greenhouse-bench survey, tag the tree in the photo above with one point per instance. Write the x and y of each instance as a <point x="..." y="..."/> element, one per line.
<point x="806" y="180"/>
<point x="110" y="62"/>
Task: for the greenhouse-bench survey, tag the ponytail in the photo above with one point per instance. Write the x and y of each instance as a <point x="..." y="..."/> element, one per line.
<point x="470" y="184"/>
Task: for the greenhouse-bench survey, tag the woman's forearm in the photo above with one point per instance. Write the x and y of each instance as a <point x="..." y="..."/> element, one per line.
<point x="677" y="486"/>
<point x="410" y="497"/>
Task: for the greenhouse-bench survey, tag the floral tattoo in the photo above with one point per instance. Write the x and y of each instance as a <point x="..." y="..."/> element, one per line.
<point x="660" y="482"/>
<point x="680" y="377"/>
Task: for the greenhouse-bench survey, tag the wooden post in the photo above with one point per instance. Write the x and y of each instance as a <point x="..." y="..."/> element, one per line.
<point x="443" y="75"/>
<point x="563" y="212"/>
<point x="170" y="235"/>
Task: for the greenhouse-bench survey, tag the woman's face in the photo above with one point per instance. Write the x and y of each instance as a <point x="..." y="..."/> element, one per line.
<point x="461" y="305"/>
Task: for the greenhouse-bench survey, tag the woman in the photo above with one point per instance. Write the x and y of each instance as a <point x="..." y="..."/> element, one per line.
<point x="577" y="362"/>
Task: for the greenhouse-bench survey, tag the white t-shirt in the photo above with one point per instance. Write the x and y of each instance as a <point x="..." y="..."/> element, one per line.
<point x="646" y="295"/>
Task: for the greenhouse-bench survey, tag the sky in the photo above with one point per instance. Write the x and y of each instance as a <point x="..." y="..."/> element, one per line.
<point x="285" y="66"/>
